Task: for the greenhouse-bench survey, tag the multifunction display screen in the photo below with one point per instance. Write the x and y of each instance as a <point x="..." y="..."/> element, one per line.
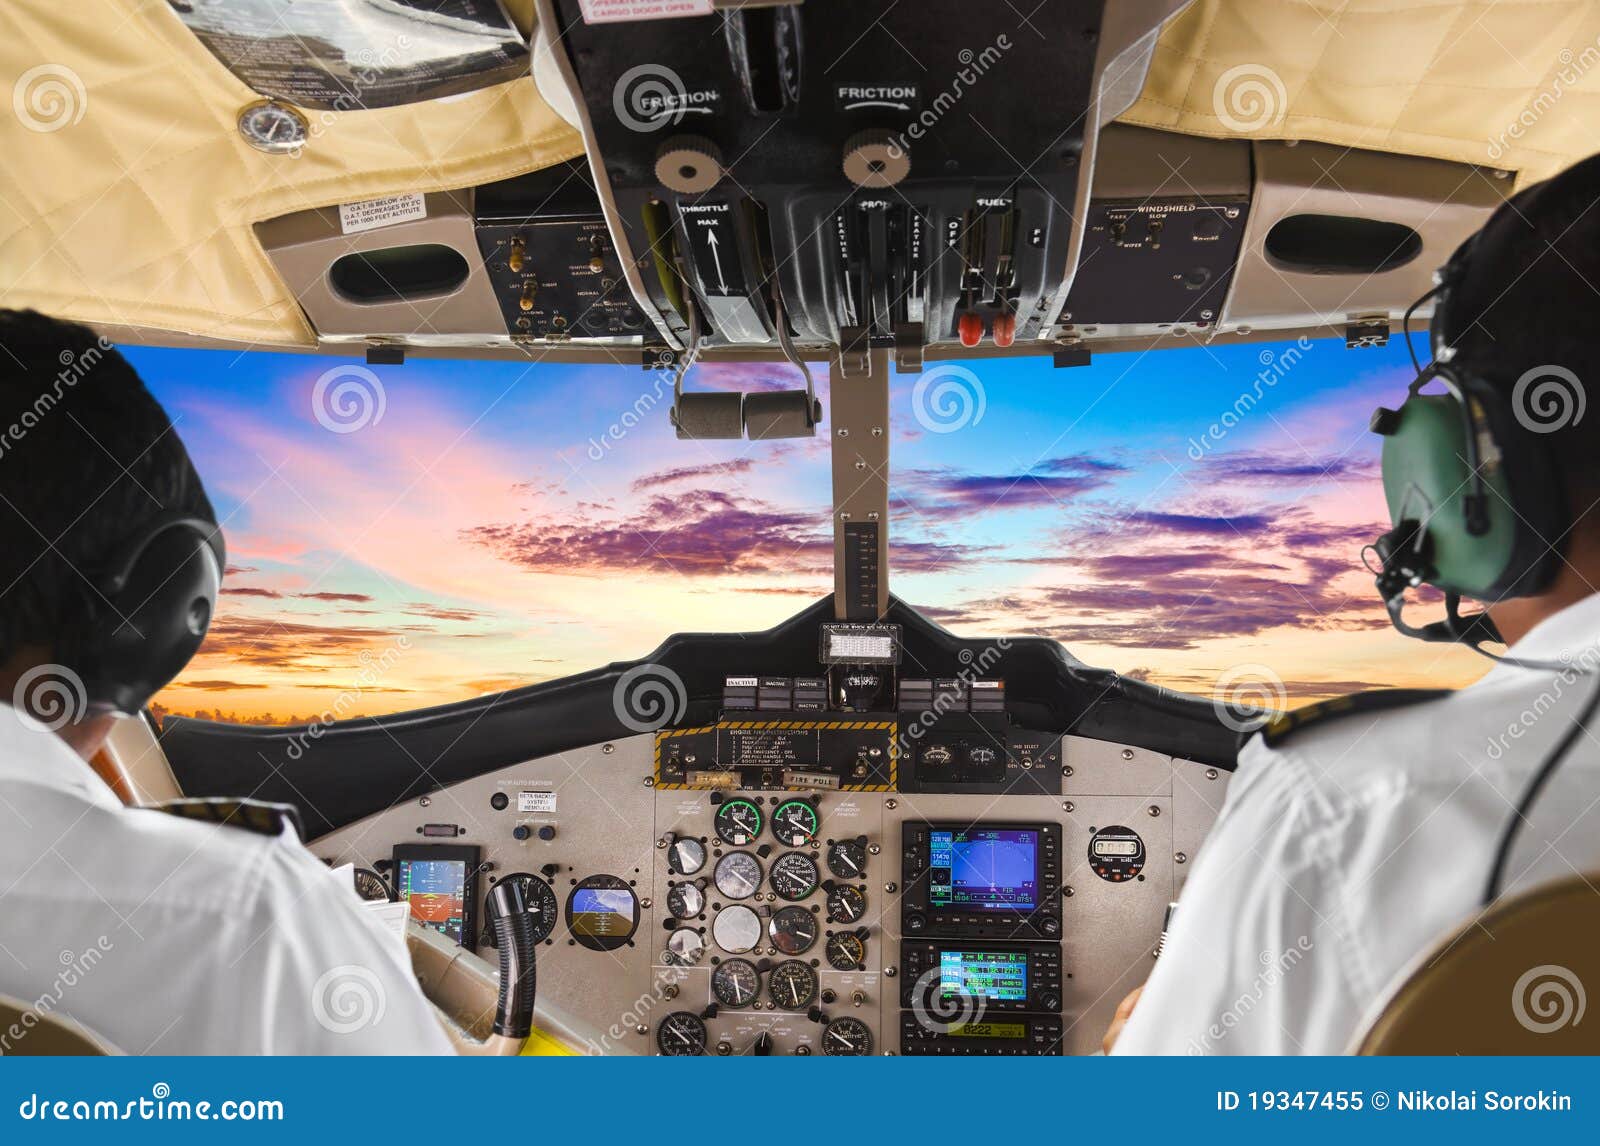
<point x="984" y="869"/>
<point x="1000" y="976"/>
<point x="437" y="893"/>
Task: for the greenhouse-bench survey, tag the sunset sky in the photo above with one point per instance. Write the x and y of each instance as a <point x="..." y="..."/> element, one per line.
<point x="490" y="525"/>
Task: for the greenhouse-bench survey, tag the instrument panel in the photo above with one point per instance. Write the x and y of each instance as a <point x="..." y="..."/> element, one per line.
<point x="728" y="920"/>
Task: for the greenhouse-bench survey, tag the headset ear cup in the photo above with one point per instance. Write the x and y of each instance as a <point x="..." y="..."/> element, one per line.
<point x="147" y="629"/>
<point x="1535" y="498"/>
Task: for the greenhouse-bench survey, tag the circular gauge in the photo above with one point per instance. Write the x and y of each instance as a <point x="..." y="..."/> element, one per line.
<point x="792" y="986"/>
<point x="541" y="901"/>
<point x="738" y="822"/>
<point x="794" y="876"/>
<point x="602" y="912"/>
<point x="372" y="887"/>
<point x="736" y="929"/>
<point x="686" y="856"/>
<point x="686" y="900"/>
<point x="736" y="983"/>
<point x="846" y="1036"/>
<point x="1116" y="853"/>
<point x="273" y="127"/>
<point x="684" y="947"/>
<point x="847" y="859"/>
<point x="794" y="822"/>
<point x="846" y="903"/>
<point x="738" y="875"/>
<point x="846" y="951"/>
<point x="681" y="1033"/>
<point x="793" y="930"/>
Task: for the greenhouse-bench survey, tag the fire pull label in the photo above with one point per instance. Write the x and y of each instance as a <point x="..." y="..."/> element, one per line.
<point x="621" y="11"/>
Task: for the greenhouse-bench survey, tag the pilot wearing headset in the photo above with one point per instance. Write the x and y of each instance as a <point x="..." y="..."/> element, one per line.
<point x="161" y="934"/>
<point x="1357" y="834"/>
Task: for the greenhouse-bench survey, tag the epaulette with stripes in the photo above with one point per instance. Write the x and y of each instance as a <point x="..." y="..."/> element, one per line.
<point x="256" y="816"/>
<point x="1276" y="730"/>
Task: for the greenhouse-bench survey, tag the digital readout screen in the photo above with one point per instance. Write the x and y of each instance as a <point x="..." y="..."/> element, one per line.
<point x="984" y="869"/>
<point x="437" y="893"/>
<point x="990" y="1031"/>
<point x="1001" y="976"/>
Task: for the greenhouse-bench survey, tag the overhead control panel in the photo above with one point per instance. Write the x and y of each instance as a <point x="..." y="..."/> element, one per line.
<point x="856" y="173"/>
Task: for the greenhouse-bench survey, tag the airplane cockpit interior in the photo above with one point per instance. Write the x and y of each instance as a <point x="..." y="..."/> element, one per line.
<point x="791" y="243"/>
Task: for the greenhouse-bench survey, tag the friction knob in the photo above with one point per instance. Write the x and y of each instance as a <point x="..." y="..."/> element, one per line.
<point x="873" y="159"/>
<point x="689" y="165"/>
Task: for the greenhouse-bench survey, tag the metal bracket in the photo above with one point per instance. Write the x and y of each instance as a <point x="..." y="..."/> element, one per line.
<point x="860" y="449"/>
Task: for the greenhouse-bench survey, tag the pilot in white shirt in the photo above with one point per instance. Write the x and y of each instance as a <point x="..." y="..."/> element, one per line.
<point x="1356" y="838"/>
<point x="161" y="935"/>
<point x="166" y="935"/>
<point x="1353" y="846"/>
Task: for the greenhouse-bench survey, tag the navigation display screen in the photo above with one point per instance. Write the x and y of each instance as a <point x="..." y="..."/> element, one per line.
<point x="984" y="869"/>
<point x="998" y="975"/>
<point x="437" y="893"/>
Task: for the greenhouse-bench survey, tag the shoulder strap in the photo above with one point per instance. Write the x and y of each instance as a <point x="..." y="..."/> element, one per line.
<point x="256" y="816"/>
<point x="1275" y="731"/>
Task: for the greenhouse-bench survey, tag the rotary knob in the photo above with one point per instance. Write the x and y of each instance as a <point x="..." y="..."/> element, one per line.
<point x="689" y="165"/>
<point x="874" y="159"/>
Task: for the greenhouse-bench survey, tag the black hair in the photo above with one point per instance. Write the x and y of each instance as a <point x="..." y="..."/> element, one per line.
<point x="1528" y="306"/>
<point x="87" y="455"/>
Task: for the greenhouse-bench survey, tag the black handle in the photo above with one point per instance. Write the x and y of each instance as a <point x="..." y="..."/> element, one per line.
<point x="513" y="931"/>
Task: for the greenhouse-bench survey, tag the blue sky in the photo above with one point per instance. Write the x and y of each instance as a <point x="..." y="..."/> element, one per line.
<point x="1190" y="515"/>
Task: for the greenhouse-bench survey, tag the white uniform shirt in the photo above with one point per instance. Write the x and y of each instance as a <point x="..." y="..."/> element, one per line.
<point x="1355" y="845"/>
<point x="170" y="936"/>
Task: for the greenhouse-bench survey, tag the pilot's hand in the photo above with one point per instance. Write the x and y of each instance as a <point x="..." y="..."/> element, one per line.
<point x="1120" y="1019"/>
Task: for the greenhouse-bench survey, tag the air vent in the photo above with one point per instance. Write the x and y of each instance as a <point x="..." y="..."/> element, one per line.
<point x="1340" y="245"/>
<point x="398" y="274"/>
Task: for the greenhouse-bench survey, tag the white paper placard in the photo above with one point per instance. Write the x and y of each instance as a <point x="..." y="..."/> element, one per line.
<point x="536" y="802"/>
<point x="370" y="214"/>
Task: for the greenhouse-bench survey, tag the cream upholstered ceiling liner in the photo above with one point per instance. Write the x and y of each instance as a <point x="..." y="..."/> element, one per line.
<point x="127" y="195"/>
<point x="1512" y="84"/>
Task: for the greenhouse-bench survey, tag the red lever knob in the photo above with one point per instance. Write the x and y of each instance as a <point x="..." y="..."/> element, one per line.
<point x="970" y="327"/>
<point x="1005" y="329"/>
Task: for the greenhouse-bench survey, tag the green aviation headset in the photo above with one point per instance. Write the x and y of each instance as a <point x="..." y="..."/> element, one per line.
<point x="1476" y="502"/>
<point x="1477" y="505"/>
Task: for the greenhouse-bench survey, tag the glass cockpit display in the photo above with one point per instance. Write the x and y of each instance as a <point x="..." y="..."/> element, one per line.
<point x="439" y="882"/>
<point x="984" y="869"/>
<point x="997" y="976"/>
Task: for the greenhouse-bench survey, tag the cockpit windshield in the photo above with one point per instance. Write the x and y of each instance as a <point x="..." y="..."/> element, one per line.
<point x="405" y="536"/>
